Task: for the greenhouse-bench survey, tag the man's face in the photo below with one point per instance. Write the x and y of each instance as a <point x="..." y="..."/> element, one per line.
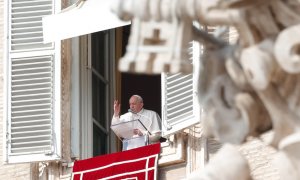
<point x="135" y="105"/>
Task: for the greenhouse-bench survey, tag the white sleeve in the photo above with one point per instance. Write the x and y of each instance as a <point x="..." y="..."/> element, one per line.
<point x="123" y="118"/>
<point x="115" y="120"/>
<point x="156" y="123"/>
<point x="155" y="128"/>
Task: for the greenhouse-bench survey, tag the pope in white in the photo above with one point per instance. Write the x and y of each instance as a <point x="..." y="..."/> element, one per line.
<point x="150" y="120"/>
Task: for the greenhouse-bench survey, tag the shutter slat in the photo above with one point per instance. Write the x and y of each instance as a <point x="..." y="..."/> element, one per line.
<point x="32" y="121"/>
<point x="21" y="3"/>
<point x="31" y="46"/>
<point x="22" y="144"/>
<point x="30" y="153"/>
<point x="175" y="80"/>
<point x="35" y="106"/>
<point x="27" y="19"/>
<point x="32" y="95"/>
<point x="178" y="95"/>
<point x="23" y="24"/>
<point x="26" y="90"/>
<point x="180" y="104"/>
<point x="32" y="127"/>
<point x="31" y="11"/>
<point x="48" y="63"/>
<point x="31" y="150"/>
<point x="28" y="94"/>
<point x="180" y="112"/>
<point x="30" y="100"/>
<point x="27" y="34"/>
<point x="31" y="75"/>
<point x="23" y="30"/>
<point x="34" y="110"/>
<point x="32" y="118"/>
<point x="181" y="86"/>
<point x="180" y="119"/>
<point x="32" y="132"/>
<point x="28" y="85"/>
<point x="30" y="88"/>
<point x="27" y="40"/>
<point x="40" y="105"/>
<point x="42" y="77"/>
<point x="30" y="113"/>
<point x="30" y="137"/>
<point x="33" y="59"/>
<point x="28" y="65"/>
<point x="32" y="7"/>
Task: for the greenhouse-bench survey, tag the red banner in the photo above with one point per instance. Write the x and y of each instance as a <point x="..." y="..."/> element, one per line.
<point x="135" y="164"/>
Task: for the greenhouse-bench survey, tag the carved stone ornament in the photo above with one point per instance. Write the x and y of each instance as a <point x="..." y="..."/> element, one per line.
<point x="246" y="88"/>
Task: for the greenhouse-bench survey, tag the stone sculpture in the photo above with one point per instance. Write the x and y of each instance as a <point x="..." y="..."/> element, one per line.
<point x="246" y="88"/>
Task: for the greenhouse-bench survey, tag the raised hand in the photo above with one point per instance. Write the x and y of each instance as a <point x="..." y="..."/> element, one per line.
<point x="117" y="106"/>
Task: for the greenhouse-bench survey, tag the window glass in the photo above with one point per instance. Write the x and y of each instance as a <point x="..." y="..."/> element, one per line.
<point x="99" y="52"/>
<point x="101" y="64"/>
<point x="99" y="141"/>
<point x="98" y="100"/>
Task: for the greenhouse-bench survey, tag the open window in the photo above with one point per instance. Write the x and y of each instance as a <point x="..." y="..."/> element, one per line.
<point x="97" y="87"/>
<point x="173" y="96"/>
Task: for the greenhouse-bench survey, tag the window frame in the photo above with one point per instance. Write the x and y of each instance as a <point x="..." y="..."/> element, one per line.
<point x="86" y="94"/>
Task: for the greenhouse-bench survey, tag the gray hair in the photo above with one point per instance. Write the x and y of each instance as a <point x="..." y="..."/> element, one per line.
<point x="139" y="98"/>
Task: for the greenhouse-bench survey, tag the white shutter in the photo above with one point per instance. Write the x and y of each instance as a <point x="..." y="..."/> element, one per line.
<point x="32" y="84"/>
<point x="180" y="107"/>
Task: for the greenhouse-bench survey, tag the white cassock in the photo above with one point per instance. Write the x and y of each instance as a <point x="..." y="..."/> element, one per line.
<point x="150" y="119"/>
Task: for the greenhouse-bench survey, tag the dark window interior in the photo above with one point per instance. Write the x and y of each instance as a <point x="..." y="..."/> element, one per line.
<point x="99" y="141"/>
<point x="99" y="91"/>
<point x="149" y="87"/>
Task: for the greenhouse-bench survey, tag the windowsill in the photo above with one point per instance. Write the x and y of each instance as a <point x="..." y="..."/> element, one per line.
<point x="173" y="151"/>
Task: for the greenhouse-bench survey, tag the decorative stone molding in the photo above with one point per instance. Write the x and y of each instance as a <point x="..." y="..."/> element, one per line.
<point x="173" y="150"/>
<point x="246" y="88"/>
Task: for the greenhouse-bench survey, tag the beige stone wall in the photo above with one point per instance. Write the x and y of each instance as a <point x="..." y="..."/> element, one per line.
<point x="257" y="152"/>
<point x="260" y="157"/>
<point x="174" y="172"/>
<point x="17" y="171"/>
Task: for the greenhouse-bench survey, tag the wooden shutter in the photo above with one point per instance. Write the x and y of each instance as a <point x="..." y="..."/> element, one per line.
<point x="180" y="108"/>
<point x="32" y="82"/>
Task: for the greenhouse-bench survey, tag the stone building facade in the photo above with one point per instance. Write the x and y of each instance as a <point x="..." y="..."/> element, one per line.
<point x="189" y="151"/>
